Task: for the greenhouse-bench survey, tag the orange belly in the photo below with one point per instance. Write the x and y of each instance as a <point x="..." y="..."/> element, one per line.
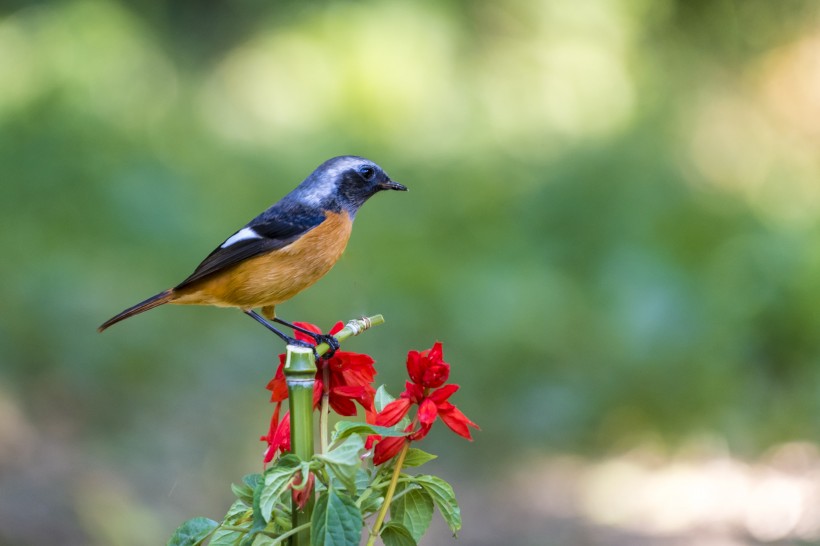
<point x="275" y="277"/>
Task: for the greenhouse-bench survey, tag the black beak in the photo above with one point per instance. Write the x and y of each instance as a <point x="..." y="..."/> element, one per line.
<point x="390" y="185"/>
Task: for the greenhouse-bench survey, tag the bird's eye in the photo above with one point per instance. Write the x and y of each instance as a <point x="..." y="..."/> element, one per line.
<point x="367" y="172"/>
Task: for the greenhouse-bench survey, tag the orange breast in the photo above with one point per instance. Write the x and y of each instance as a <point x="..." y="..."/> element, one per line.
<point x="277" y="276"/>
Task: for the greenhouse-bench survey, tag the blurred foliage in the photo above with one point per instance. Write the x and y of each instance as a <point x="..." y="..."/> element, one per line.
<point x="624" y="192"/>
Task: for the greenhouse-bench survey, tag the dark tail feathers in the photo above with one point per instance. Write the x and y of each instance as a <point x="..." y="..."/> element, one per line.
<point x="150" y="303"/>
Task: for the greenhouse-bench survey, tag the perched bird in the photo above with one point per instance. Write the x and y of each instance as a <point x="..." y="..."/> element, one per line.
<point x="282" y="251"/>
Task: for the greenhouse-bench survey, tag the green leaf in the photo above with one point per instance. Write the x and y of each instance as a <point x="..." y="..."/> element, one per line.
<point x="343" y="461"/>
<point x="371" y="504"/>
<point x="343" y="476"/>
<point x="345" y="452"/>
<point x="344" y="429"/>
<point x="242" y="492"/>
<point x="258" y="522"/>
<point x="263" y="540"/>
<point x="382" y="398"/>
<point x="237" y="511"/>
<point x="224" y="537"/>
<point x="193" y="532"/>
<point x="252" y="480"/>
<point x="276" y="481"/>
<point x="336" y="521"/>
<point x="414" y="510"/>
<point x="444" y="497"/>
<point x="395" y="534"/>
<point x="245" y="491"/>
<point x="417" y="457"/>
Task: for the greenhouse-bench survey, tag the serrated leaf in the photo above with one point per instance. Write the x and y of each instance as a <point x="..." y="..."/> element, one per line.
<point x="276" y="481"/>
<point x="414" y="510"/>
<point x="345" y="452"/>
<point x="224" y="537"/>
<point x="395" y="534"/>
<point x="336" y="521"/>
<point x="192" y="532"/>
<point x="417" y="457"/>
<point x="382" y="398"/>
<point x="444" y="497"/>
<point x="346" y="428"/>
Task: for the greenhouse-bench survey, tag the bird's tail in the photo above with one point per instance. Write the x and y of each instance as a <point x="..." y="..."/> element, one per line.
<point x="150" y="303"/>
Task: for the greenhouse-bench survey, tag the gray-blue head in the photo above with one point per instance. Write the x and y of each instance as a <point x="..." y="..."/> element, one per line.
<point x="344" y="183"/>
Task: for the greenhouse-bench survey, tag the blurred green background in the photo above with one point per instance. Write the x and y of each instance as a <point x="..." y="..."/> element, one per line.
<point x="612" y="226"/>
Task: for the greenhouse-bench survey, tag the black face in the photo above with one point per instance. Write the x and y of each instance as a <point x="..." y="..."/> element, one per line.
<point x="361" y="181"/>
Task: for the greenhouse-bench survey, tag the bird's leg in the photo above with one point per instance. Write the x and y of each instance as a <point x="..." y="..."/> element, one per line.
<point x="332" y="342"/>
<point x="287" y="339"/>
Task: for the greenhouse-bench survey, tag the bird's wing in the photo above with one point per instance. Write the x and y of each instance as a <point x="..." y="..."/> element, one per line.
<point x="260" y="236"/>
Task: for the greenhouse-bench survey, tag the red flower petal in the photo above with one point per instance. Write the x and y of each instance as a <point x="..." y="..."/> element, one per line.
<point x="278" y="437"/>
<point x="393" y="412"/>
<point x="303" y="494"/>
<point x="427" y="412"/>
<point x="436" y="352"/>
<point x="414" y="366"/>
<point x="421" y="432"/>
<point x="373" y="438"/>
<point x="457" y="421"/>
<point x="342" y="406"/>
<point x="307" y="326"/>
<point x="388" y="448"/>
<point x="362" y="395"/>
<point x="442" y="394"/>
<point x="336" y="328"/>
<point x="436" y="374"/>
<point x="318" y="390"/>
<point x="413" y="392"/>
<point x="277" y="386"/>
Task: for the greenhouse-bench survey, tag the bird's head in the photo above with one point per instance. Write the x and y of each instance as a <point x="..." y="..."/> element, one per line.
<point x="345" y="182"/>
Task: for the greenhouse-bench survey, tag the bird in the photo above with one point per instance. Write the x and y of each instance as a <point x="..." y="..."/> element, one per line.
<point x="283" y="250"/>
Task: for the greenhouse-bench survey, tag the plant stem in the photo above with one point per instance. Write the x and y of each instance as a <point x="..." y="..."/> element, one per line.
<point x="352" y="328"/>
<point x="300" y="373"/>
<point x="283" y="536"/>
<point x="388" y="498"/>
<point x="325" y="409"/>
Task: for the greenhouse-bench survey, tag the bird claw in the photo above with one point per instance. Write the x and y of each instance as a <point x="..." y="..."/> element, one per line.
<point x="332" y="342"/>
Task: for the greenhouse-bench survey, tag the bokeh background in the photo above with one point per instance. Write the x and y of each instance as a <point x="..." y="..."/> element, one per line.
<point x="612" y="226"/>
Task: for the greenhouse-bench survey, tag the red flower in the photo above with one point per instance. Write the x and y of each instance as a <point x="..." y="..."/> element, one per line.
<point x="428" y="368"/>
<point x="350" y="377"/>
<point x="278" y="437"/>
<point x="387" y="448"/>
<point x="428" y="373"/>
<point x="301" y="493"/>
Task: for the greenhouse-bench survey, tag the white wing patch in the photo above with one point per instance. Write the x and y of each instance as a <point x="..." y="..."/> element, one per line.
<point x="242" y="235"/>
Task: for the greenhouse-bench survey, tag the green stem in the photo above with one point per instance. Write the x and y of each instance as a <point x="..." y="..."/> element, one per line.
<point x="300" y="376"/>
<point x="352" y="328"/>
<point x="300" y="373"/>
<point x="283" y="536"/>
<point x="325" y="409"/>
<point x="388" y="498"/>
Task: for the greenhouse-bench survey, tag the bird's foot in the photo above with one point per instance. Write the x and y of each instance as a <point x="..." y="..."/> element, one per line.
<point x="332" y="342"/>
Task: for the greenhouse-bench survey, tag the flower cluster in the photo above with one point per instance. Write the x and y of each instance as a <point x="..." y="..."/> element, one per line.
<point x="346" y="378"/>
<point x="428" y="374"/>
